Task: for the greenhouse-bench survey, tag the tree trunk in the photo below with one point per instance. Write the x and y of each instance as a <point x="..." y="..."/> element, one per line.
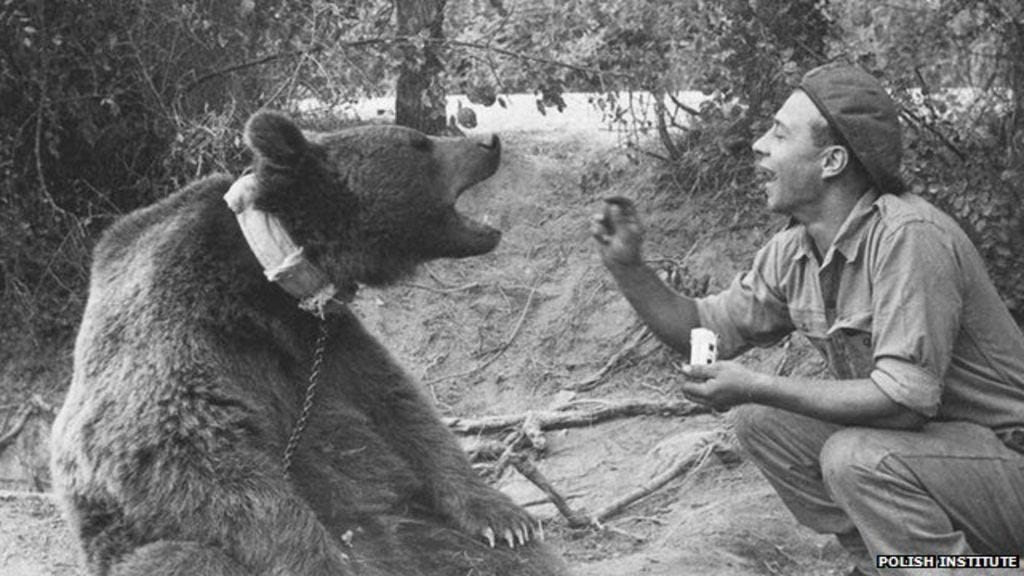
<point x="419" y="94"/>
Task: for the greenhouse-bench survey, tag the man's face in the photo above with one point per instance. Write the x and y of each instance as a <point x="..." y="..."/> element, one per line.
<point x="789" y="162"/>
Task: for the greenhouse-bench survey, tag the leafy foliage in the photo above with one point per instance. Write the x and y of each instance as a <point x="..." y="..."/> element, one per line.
<point x="957" y="66"/>
<point x="106" y="106"/>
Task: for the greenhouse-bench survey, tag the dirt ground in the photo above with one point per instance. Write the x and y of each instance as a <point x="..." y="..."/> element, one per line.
<point x="513" y="331"/>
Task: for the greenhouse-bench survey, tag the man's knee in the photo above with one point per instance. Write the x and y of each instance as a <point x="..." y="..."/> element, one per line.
<point x="751" y="423"/>
<point x="851" y="457"/>
<point x="758" y="427"/>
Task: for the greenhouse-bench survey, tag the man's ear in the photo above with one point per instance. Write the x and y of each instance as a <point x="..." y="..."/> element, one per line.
<point x="835" y="159"/>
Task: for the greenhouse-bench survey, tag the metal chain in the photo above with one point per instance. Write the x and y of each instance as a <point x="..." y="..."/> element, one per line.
<point x="307" y="404"/>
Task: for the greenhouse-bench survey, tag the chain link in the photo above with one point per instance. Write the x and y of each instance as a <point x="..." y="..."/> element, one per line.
<point x="307" y="404"/>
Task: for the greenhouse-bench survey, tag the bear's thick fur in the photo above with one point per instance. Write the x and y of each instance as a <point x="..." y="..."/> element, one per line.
<point x="191" y="370"/>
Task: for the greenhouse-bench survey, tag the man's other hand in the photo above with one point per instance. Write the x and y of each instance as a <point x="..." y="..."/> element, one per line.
<point x="720" y="385"/>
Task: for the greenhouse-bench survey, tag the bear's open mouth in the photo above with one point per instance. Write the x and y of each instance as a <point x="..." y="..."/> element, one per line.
<point x="480" y="223"/>
<point x="471" y="216"/>
<point x="473" y="233"/>
<point x="468" y="228"/>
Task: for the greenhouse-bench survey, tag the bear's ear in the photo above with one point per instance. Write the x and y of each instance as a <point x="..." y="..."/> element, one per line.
<point x="273" y="136"/>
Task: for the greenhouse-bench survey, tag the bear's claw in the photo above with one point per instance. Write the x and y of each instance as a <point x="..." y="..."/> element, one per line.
<point x="491" y="516"/>
<point x="520" y="535"/>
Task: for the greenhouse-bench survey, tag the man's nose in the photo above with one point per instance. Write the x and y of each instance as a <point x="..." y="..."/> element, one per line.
<point x="759" y="146"/>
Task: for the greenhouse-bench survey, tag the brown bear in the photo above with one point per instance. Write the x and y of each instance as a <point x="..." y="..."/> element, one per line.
<point x="193" y="375"/>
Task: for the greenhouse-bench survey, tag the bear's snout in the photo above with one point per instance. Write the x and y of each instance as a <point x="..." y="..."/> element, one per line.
<point x="490" y="143"/>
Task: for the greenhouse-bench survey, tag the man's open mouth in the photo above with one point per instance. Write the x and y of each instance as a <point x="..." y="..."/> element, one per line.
<point x="763" y="176"/>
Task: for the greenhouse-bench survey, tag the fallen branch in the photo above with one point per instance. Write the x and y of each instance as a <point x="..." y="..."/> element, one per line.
<point x="576" y="518"/>
<point x="545" y="499"/>
<point x="511" y="442"/>
<point x="532" y="431"/>
<point x="484" y="450"/>
<point x="501" y="452"/>
<point x="557" y="419"/>
<point x="715" y="443"/>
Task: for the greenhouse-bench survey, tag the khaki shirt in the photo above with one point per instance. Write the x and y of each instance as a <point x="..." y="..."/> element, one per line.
<point x="901" y="297"/>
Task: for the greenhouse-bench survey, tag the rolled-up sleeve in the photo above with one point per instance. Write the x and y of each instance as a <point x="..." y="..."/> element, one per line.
<point x="917" y="307"/>
<point x="752" y="311"/>
<point x="908" y="384"/>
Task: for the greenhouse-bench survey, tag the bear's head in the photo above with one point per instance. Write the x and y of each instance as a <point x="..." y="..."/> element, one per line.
<point x="369" y="203"/>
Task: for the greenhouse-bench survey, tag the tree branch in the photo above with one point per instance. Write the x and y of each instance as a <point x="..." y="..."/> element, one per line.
<point x="689" y="110"/>
<point x="317" y="48"/>
<point x="712" y="443"/>
<point x="663" y="133"/>
<point x="942" y="137"/>
<point x="576" y="518"/>
<point x="532" y="58"/>
<point x="551" y="420"/>
<point x="298" y="53"/>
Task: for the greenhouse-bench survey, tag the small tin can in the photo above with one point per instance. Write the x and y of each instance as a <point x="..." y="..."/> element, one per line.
<point x="703" y="346"/>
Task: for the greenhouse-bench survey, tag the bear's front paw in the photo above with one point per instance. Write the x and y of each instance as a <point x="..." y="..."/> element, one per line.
<point x="494" y="517"/>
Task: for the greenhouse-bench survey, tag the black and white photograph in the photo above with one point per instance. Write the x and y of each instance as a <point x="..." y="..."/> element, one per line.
<point x="511" y="287"/>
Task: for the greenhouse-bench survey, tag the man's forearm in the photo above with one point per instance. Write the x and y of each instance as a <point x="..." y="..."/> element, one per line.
<point x="668" y="314"/>
<point x="850" y="402"/>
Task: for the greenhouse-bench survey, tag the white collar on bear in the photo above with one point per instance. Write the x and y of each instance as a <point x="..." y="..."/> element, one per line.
<point x="283" y="261"/>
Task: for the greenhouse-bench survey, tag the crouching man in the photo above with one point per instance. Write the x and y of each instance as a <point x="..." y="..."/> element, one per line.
<point x="916" y="446"/>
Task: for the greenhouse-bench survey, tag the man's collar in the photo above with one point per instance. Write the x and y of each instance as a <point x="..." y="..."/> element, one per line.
<point x="848" y="240"/>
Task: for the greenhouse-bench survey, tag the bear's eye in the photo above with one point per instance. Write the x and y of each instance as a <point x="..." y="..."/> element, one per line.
<point x="420" y="142"/>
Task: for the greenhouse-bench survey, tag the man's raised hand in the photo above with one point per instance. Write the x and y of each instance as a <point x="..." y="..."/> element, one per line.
<point x="618" y="232"/>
